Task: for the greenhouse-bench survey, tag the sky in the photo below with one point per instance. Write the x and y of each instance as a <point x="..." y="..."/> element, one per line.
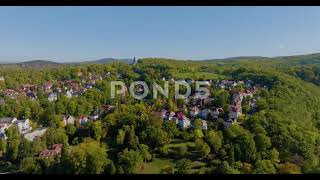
<point x="70" y="34"/>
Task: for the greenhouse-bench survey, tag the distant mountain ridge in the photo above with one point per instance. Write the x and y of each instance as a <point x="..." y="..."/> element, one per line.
<point x="39" y="62"/>
<point x="48" y="62"/>
<point x="313" y="56"/>
<point x="107" y="61"/>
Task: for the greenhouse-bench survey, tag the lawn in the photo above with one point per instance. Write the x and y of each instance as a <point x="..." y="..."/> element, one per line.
<point x="153" y="167"/>
<point x="158" y="163"/>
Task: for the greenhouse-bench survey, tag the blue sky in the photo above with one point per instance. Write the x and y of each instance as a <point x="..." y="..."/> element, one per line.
<point x="89" y="33"/>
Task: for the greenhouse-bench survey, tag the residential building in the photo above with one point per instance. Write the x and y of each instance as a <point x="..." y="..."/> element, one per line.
<point x="5" y="123"/>
<point x="83" y="120"/>
<point x="194" y="111"/>
<point x="184" y="123"/>
<point x="2" y="101"/>
<point x="204" y="125"/>
<point x="68" y="119"/>
<point x="55" y="150"/>
<point x="53" y="96"/>
<point x="31" y="136"/>
<point x="204" y="113"/>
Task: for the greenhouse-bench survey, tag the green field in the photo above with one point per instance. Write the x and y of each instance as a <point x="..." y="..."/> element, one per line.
<point x="153" y="167"/>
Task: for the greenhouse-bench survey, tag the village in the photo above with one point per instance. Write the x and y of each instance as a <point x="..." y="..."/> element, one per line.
<point x="203" y="109"/>
<point x="195" y="108"/>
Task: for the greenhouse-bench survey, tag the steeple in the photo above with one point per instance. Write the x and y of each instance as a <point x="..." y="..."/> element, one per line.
<point x="134" y="61"/>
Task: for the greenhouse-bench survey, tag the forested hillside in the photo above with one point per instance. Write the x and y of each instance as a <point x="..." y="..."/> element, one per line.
<point x="277" y="131"/>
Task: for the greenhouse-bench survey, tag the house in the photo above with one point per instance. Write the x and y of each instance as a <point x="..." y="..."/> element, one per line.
<point x="31" y="95"/>
<point x="68" y="119"/>
<point x="221" y="86"/>
<point x="23" y="125"/>
<point x="207" y="83"/>
<point x="95" y="114"/>
<point x="169" y="115"/>
<point x="163" y="114"/>
<point x="194" y="111"/>
<point x="215" y="113"/>
<point x="207" y="101"/>
<point x="47" y="86"/>
<point x="5" y="123"/>
<point x="180" y="115"/>
<point x="89" y="85"/>
<point x="53" y="97"/>
<point x="55" y="150"/>
<point x="182" y="81"/>
<point x="81" y="91"/>
<point x="228" y="122"/>
<point x="204" y="113"/>
<point x="107" y="108"/>
<point x="29" y="87"/>
<point x="189" y="80"/>
<point x="108" y="74"/>
<point x="2" y="101"/>
<point x="10" y="93"/>
<point x="204" y="125"/>
<point x="31" y="136"/>
<point x="58" y="90"/>
<point x="94" y="117"/>
<point x="69" y="93"/>
<point x="234" y="112"/>
<point x="184" y="122"/>
<point x="83" y="120"/>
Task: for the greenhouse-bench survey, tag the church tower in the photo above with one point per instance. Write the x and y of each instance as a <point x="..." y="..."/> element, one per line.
<point x="134" y="61"/>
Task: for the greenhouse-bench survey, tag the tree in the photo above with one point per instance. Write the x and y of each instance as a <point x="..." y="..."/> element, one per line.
<point x="3" y="146"/>
<point x="183" y="166"/>
<point x="214" y="139"/>
<point x="263" y="142"/>
<point x="144" y="151"/>
<point x="128" y="159"/>
<point x="89" y="157"/>
<point x="97" y="130"/>
<point x="96" y="156"/>
<point x="110" y="167"/>
<point x="182" y="151"/>
<point x="288" y="168"/>
<point x="56" y="136"/>
<point x="75" y="161"/>
<point x="29" y="165"/>
<point x="198" y="134"/>
<point x="202" y="148"/>
<point x="25" y="149"/>
<point x="168" y="169"/>
<point x="264" y="167"/>
<point x="121" y="136"/>
<point x="54" y="121"/>
<point x="70" y="130"/>
<point x="170" y="128"/>
<point x="13" y="141"/>
<point x="155" y="137"/>
<point x="197" y="124"/>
